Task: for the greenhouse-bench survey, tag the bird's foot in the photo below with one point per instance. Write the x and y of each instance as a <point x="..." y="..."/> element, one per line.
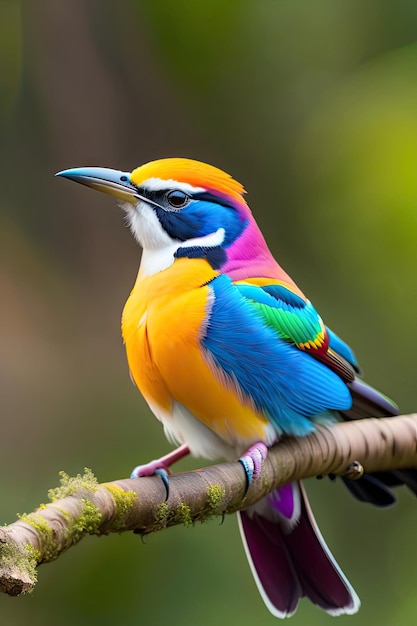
<point x="161" y="467"/>
<point x="253" y="461"/>
<point x="153" y="468"/>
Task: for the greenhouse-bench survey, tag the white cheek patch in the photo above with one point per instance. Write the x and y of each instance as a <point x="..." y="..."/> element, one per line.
<point x="158" y="247"/>
<point x="146" y="227"/>
<point x="155" y="260"/>
<point x="208" y="241"/>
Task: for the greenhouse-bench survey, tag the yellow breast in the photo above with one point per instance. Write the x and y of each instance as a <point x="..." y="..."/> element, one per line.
<point x="163" y="315"/>
<point x="163" y="321"/>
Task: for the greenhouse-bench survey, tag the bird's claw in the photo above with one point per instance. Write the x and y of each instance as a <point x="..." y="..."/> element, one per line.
<point x="164" y="474"/>
<point x="253" y="461"/>
<point x="160" y="467"/>
<point x="154" y="468"/>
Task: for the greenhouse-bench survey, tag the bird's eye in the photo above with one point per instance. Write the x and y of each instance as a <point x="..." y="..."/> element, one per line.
<point x="177" y="199"/>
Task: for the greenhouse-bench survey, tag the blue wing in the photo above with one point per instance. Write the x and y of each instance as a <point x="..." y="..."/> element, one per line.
<point x="264" y="366"/>
<point x="294" y="317"/>
<point x="295" y="320"/>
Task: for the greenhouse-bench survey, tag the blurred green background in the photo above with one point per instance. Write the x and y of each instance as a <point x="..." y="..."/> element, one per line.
<point x="313" y="106"/>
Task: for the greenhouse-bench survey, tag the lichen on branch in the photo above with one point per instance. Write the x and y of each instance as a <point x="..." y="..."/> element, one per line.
<point x="81" y="506"/>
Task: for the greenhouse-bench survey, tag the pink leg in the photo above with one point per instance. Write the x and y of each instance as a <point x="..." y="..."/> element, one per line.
<point x="164" y="463"/>
<point x="160" y="467"/>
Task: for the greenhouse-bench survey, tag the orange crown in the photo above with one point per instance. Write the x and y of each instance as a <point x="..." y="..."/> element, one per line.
<point x="195" y="173"/>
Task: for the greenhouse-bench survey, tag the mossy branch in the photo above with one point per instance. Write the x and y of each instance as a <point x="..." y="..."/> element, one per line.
<point x="82" y="506"/>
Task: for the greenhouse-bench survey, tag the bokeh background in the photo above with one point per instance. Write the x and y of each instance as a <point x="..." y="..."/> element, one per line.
<point x="313" y="105"/>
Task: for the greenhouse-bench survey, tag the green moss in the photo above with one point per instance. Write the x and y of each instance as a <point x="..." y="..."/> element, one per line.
<point x="215" y="495"/>
<point x="88" y="521"/>
<point x="51" y="543"/>
<point x="125" y="502"/>
<point x="25" y="559"/>
<point x="162" y="515"/>
<point x="69" y="485"/>
<point x="182" y="514"/>
<point x="49" y="547"/>
<point x="29" y="561"/>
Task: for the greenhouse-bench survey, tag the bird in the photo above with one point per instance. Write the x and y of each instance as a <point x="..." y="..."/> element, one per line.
<point x="230" y="356"/>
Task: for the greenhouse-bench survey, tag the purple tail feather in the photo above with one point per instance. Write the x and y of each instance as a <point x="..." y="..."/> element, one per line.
<point x="289" y="557"/>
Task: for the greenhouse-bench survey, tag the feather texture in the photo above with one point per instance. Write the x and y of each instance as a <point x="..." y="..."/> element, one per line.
<point x="290" y="561"/>
<point x="228" y="352"/>
<point x="282" y="382"/>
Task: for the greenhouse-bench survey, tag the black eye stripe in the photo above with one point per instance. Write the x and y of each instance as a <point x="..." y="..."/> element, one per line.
<point x="166" y="199"/>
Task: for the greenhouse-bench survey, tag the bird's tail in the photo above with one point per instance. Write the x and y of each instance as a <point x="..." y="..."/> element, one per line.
<point x="375" y="488"/>
<point x="289" y="557"/>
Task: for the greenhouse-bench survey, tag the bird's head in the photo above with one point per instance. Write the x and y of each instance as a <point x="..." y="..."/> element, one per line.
<point x="183" y="208"/>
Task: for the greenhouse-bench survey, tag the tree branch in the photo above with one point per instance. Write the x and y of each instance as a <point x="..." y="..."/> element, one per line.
<point x="81" y="506"/>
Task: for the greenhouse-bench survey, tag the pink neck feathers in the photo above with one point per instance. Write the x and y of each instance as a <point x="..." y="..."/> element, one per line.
<point x="249" y="257"/>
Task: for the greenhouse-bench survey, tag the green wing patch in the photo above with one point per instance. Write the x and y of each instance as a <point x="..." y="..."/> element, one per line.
<point x="293" y="318"/>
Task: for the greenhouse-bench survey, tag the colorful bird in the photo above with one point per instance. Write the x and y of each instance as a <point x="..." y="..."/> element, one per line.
<point x="230" y="355"/>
